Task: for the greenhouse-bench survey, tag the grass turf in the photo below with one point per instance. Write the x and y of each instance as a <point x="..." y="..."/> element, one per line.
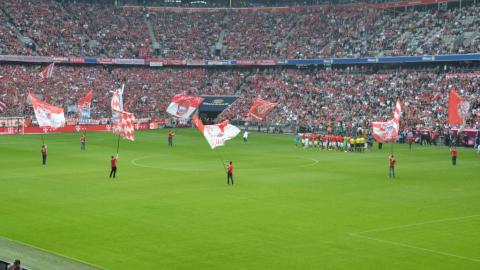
<point x="290" y="208"/>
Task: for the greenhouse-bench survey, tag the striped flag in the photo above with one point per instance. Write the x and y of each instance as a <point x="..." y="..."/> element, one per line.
<point x="47" y="72"/>
<point x="3" y="105"/>
<point x="84" y="106"/>
<point x="388" y="131"/>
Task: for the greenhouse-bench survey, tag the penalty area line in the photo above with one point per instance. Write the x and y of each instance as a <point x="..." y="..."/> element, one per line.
<point x="417" y="224"/>
<point x="361" y="235"/>
<point x="54" y="253"/>
<point x="416" y="248"/>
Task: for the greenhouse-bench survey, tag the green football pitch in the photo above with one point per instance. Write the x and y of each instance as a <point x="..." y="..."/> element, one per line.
<point x="290" y="208"/>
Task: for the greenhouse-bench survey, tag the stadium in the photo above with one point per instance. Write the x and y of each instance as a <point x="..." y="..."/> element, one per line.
<point x="239" y="134"/>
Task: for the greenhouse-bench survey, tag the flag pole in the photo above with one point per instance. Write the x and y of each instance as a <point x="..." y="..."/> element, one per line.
<point x="222" y="161"/>
<point x="118" y="143"/>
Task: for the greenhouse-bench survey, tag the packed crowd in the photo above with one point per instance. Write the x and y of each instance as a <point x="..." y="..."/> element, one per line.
<point x="228" y="3"/>
<point x="341" y="99"/>
<point x="86" y="28"/>
<point x="76" y="28"/>
<point x="147" y="94"/>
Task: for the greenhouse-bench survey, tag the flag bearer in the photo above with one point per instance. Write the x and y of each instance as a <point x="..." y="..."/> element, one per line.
<point x="392" y="161"/>
<point x="44" y="154"/>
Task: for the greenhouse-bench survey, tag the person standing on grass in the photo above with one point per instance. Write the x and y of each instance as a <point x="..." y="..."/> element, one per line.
<point x="113" y="163"/>
<point x="230" y="173"/>
<point x="82" y="142"/>
<point x="392" y="161"/>
<point x="44" y="154"/>
<point x="245" y="136"/>
<point x="297" y="140"/>
<point x="170" y="138"/>
<point x="453" y="153"/>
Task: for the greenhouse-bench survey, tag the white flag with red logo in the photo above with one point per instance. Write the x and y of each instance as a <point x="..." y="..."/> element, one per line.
<point x="388" y="131"/>
<point x="184" y="105"/>
<point x="216" y="135"/>
<point x="47" y="72"/>
<point x="47" y="115"/>
<point x="261" y="108"/>
<point x="117" y="106"/>
<point x="126" y="125"/>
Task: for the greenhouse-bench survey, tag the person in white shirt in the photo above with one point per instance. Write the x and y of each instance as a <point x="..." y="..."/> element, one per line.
<point x="245" y="136"/>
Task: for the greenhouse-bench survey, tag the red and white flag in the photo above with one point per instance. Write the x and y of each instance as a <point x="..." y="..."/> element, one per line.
<point x="117" y="103"/>
<point x="261" y="108"/>
<point x="3" y="105"/>
<point x="84" y="106"/>
<point x="184" y="105"/>
<point x="388" y="131"/>
<point x="117" y="107"/>
<point x="126" y="125"/>
<point x="47" y="72"/>
<point x="47" y="115"/>
<point x="216" y="135"/>
<point x="458" y="108"/>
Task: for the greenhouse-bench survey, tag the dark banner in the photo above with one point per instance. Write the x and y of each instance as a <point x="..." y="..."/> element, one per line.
<point x="216" y="103"/>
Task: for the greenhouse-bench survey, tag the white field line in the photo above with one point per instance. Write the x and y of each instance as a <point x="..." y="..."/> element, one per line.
<point x="417" y="224"/>
<point x="55" y="253"/>
<point x="417" y="248"/>
<point x="361" y="235"/>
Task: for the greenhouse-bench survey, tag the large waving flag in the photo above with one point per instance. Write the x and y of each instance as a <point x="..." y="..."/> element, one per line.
<point x="84" y="106"/>
<point x="47" y="115"/>
<point x="261" y="108"/>
<point x="216" y="135"/>
<point x="47" y="72"/>
<point x="388" y="131"/>
<point x="184" y="105"/>
<point x="117" y="100"/>
<point x="126" y="125"/>
<point x="457" y="109"/>
<point x="117" y="107"/>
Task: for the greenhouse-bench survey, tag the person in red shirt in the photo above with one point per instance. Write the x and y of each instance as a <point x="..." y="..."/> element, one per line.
<point x="113" y="163"/>
<point x="230" y="173"/>
<point x="453" y="153"/>
<point x="44" y="154"/>
<point x="392" y="161"/>
<point x="311" y="139"/>
<point x="170" y="138"/>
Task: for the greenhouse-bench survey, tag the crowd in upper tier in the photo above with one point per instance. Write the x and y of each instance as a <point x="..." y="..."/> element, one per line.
<point x="93" y="28"/>
<point x="305" y="97"/>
